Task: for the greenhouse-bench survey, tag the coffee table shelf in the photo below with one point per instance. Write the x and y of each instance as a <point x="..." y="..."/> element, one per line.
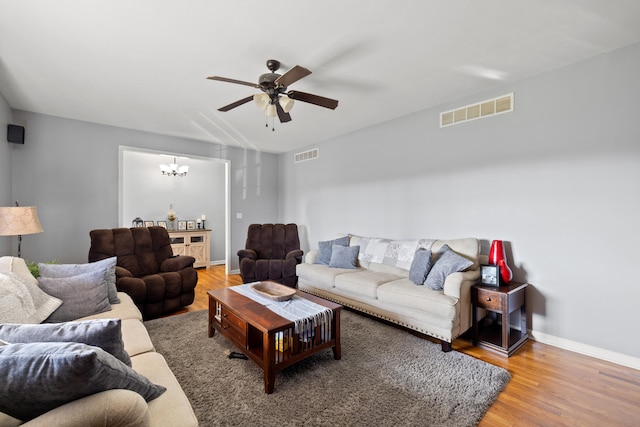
<point x="267" y="338"/>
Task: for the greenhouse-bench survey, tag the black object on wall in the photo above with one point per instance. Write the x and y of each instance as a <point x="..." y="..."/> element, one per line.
<point x="15" y="134"/>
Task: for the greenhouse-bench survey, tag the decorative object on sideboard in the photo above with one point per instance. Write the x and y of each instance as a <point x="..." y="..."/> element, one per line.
<point x="173" y="169"/>
<point x="137" y="222"/>
<point x="19" y="220"/>
<point x="171" y="216"/>
<point x="497" y="256"/>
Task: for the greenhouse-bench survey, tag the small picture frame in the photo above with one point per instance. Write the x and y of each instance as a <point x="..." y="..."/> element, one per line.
<point x="191" y="225"/>
<point x="148" y="224"/>
<point x="490" y="275"/>
<point x="182" y="225"/>
<point x="162" y="224"/>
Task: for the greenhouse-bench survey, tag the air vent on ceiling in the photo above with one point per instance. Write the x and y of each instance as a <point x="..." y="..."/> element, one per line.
<point x="306" y="155"/>
<point x="479" y="110"/>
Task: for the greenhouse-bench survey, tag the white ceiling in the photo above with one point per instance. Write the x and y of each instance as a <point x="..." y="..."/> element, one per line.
<point x="142" y="64"/>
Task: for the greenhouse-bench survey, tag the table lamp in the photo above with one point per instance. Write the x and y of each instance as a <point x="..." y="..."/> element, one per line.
<point x="18" y="220"/>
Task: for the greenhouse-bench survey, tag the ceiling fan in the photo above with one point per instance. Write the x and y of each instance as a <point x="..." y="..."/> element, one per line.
<point x="275" y="99"/>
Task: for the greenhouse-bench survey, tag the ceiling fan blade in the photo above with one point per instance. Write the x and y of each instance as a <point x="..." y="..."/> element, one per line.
<point x="236" y="104"/>
<point x="239" y="82"/>
<point x="282" y="115"/>
<point x="313" y="99"/>
<point x="292" y="76"/>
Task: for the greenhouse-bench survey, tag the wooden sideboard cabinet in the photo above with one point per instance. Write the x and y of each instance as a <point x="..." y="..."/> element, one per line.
<point x="195" y="243"/>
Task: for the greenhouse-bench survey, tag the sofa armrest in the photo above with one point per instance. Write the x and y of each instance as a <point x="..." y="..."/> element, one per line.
<point x="177" y="263"/>
<point x="457" y="284"/>
<point x="122" y="272"/>
<point x="247" y="253"/>
<point x="295" y="254"/>
<point x="311" y="257"/>
<point x="122" y="408"/>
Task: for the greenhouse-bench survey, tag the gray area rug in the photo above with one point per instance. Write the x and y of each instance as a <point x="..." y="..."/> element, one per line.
<point x="386" y="377"/>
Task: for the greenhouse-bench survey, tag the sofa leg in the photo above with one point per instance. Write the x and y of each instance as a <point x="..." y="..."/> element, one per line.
<point x="446" y="346"/>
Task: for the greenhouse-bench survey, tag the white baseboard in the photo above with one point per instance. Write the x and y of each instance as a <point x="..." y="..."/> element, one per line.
<point x="235" y="271"/>
<point x="217" y="262"/>
<point x="587" y="350"/>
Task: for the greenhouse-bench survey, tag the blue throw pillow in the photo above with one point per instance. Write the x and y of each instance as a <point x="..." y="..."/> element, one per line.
<point x="103" y="333"/>
<point x="420" y="266"/>
<point x="68" y="270"/>
<point x="325" y="249"/>
<point x="344" y="257"/>
<point x="449" y="262"/>
<point x="38" y="377"/>
<point x="81" y="295"/>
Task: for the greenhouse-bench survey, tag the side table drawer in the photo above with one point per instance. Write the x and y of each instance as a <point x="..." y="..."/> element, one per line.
<point x="489" y="300"/>
<point x="232" y="318"/>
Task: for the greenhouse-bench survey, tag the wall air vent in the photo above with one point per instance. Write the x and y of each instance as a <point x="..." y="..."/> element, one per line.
<point x="479" y="110"/>
<point x="306" y="155"/>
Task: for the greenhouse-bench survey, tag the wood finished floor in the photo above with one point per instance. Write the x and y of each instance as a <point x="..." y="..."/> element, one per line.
<point x="549" y="386"/>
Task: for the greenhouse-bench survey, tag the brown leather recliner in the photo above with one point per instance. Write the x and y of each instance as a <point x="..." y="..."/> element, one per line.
<point x="157" y="281"/>
<point x="272" y="252"/>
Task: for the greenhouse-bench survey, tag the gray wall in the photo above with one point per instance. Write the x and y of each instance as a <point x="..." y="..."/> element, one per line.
<point x="147" y="194"/>
<point x="558" y="179"/>
<point x="6" y="117"/>
<point x="69" y="170"/>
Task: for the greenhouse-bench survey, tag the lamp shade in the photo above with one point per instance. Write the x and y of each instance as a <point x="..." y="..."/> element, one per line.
<point x="19" y="220"/>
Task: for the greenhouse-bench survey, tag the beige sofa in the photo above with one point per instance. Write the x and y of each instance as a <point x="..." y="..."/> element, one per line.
<point x="380" y="285"/>
<point x="123" y="407"/>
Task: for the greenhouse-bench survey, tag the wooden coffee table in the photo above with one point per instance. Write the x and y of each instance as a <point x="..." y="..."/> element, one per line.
<point x="267" y="338"/>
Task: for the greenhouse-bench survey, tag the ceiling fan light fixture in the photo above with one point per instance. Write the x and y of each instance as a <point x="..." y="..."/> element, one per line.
<point x="261" y="100"/>
<point x="286" y="103"/>
<point x="271" y="111"/>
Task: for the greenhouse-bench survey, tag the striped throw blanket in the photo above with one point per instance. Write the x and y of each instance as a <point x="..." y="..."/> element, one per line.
<point x="305" y="314"/>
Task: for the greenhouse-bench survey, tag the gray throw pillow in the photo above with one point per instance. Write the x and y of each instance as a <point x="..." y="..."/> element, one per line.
<point x="38" y="377"/>
<point x="344" y="257"/>
<point x="81" y="295"/>
<point x="325" y="249"/>
<point x="68" y="270"/>
<point x="420" y="266"/>
<point x="103" y="333"/>
<point x="448" y="262"/>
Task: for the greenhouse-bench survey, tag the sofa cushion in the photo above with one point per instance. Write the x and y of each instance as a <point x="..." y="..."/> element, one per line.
<point x="321" y="275"/>
<point x="344" y="257"/>
<point x="420" y="266"/>
<point x="325" y="249"/>
<point x="404" y="293"/>
<point x="364" y="282"/>
<point x="68" y="270"/>
<point x="22" y="301"/>
<point x="448" y="262"/>
<point x="81" y="295"/>
<point x="135" y="337"/>
<point x="105" y="333"/>
<point x="38" y="377"/>
<point x="173" y="407"/>
<point x="127" y="309"/>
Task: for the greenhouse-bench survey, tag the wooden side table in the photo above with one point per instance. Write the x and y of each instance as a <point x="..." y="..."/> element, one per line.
<point x="500" y="336"/>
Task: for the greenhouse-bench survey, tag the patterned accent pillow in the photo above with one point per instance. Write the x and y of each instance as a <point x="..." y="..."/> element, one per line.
<point x="22" y="301"/>
<point x="396" y="253"/>
<point x="448" y="262"/>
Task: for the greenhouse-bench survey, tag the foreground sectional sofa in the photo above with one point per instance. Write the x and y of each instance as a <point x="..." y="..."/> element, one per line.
<point x="421" y="284"/>
<point x="115" y="407"/>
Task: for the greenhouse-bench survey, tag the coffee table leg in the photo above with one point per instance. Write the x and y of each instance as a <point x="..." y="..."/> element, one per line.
<point x="269" y="360"/>
<point x="337" y="349"/>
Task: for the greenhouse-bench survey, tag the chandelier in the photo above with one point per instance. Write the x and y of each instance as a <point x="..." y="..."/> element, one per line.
<point x="173" y="169"/>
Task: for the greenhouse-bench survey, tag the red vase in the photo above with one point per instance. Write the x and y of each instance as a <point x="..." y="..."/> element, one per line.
<point x="496" y="253"/>
<point x="505" y="271"/>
